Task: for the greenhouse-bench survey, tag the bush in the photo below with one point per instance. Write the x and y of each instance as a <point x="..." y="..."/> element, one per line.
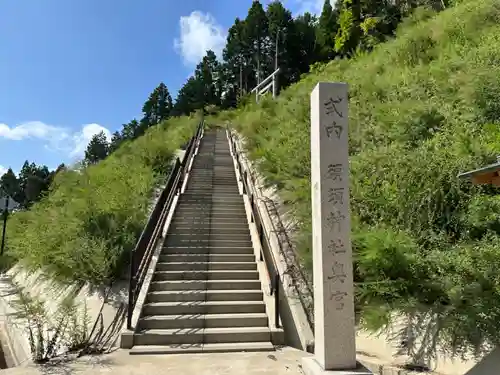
<point x="423" y="108"/>
<point x="50" y="334"/>
<point x="85" y="228"/>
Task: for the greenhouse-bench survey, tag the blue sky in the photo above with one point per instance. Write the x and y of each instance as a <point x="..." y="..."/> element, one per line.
<point x="71" y="68"/>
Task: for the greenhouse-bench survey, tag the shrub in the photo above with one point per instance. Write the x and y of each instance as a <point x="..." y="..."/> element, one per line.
<point x="85" y="228"/>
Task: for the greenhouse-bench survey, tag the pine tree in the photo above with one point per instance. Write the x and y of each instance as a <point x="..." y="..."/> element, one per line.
<point x="9" y="183"/>
<point x="97" y="149"/>
<point x="116" y="141"/>
<point x="236" y="56"/>
<point x="208" y="73"/>
<point x="257" y="35"/>
<point x="131" y="131"/>
<point x="281" y="30"/>
<point x="190" y="97"/>
<point x="302" y="46"/>
<point x="158" y="106"/>
<point x="326" y="32"/>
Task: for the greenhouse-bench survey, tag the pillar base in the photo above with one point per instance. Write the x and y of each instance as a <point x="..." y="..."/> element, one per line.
<point x="311" y="367"/>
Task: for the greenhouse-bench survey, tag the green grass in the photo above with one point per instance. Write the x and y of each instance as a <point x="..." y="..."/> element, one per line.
<point x="423" y="107"/>
<point x="85" y="228"/>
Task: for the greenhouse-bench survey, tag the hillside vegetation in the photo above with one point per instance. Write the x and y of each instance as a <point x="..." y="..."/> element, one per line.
<point x="85" y="228"/>
<point x="423" y="108"/>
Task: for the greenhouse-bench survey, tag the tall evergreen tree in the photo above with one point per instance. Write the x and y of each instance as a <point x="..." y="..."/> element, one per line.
<point x="208" y="74"/>
<point x="236" y="55"/>
<point x="158" y="106"/>
<point x="326" y="32"/>
<point x="281" y="45"/>
<point x="257" y="35"/>
<point x="303" y="51"/>
<point x="97" y="149"/>
<point x="9" y="183"/>
<point x="34" y="181"/>
<point x="131" y="131"/>
<point x="190" y="97"/>
<point x="116" y="141"/>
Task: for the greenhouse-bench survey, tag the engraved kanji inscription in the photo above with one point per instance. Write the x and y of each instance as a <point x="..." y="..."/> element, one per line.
<point x="333" y="128"/>
<point x="334" y="172"/>
<point x="334" y="220"/>
<point x="338" y="297"/>
<point x="336" y="247"/>
<point x="336" y="195"/>
<point x="338" y="273"/>
<point x="331" y="106"/>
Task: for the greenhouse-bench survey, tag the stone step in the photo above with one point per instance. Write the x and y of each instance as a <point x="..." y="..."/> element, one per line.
<point x="206" y="275"/>
<point x="214" y="208"/>
<point x="203" y="335"/>
<point x="212" y="199"/>
<point x="212" y="242"/>
<point x="237" y="206"/>
<point x="204" y="295"/>
<point x="233" y="347"/>
<point x="206" y="215"/>
<point x="202" y="229"/>
<point x="204" y="285"/>
<point x="219" y="258"/>
<point x="209" y="189"/>
<point x="203" y="321"/>
<point x="197" y="266"/>
<point x="203" y="307"/>
<point x="209" y="210"/>
<point x="247" y="250"/>
<point x="206" y="185"/>
<point x="216" y="221"/>
<point x="227" y="184"/>
<point x="197" y="235"/>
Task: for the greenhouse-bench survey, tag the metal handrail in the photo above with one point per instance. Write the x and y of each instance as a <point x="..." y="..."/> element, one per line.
<point x="292" y="264"/>
<point x="262" y="233"/>
<point x="140" y="257"/>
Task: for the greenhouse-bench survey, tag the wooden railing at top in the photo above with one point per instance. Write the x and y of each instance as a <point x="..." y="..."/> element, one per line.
<point x="271" y="81"/>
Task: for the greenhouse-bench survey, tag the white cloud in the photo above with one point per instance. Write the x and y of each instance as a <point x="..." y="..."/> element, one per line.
<point x="3" y="170"/>
<point x="31" y="129"/>
<point x="55" y="138"/>
<point x="200" y="32"/>
<point x="311" y="6"/>
<point x="82" y="138"/>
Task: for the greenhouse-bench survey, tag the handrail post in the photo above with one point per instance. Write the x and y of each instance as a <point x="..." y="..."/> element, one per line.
<point x="260" y="230"/>
<point x="252" y="208"/>
<point x="274" y="85"/>
<point x="277" y="300"/>
<point x="131" y="298"/>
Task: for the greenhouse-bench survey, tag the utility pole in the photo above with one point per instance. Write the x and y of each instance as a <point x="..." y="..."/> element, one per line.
<point x="5" y="213"/>
<point x="277" y="49"/>
<point x="9" y="205"/>
<point x="241" y="79"/>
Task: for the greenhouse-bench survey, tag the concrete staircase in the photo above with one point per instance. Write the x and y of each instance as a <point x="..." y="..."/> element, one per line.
<point x="205" y="295"/>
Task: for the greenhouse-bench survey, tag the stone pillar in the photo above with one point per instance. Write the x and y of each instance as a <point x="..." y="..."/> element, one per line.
<point x="334" y="328"/>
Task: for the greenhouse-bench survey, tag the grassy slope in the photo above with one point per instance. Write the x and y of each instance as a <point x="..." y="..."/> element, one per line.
<point x="423" y="108"/>
<point x="86" y="226"/>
